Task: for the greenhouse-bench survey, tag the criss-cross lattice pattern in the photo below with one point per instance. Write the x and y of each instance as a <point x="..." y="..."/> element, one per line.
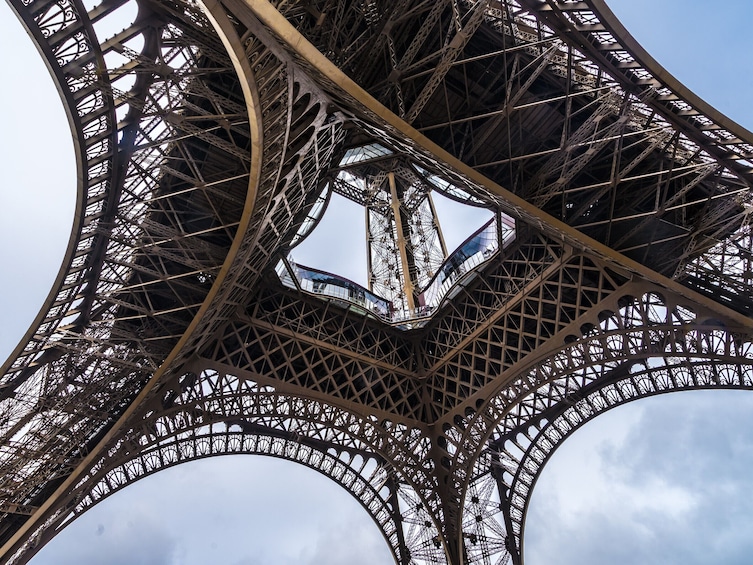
<point x="146" y="243"/>
<point x="209" y="137"/>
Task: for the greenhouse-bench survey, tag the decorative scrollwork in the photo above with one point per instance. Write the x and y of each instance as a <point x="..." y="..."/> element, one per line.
<point x="203" y="151"/>
<point x="647" y="346"/>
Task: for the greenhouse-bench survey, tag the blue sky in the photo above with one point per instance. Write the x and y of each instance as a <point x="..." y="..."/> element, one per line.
<point x="665" y="480"/>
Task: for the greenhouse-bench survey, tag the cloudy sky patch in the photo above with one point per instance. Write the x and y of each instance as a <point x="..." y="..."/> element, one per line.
<point x="665" y="480"/>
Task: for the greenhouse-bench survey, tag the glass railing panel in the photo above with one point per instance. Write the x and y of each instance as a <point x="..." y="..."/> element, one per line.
<point x="364" y="153"/>
<point x="322" y="283"/>
<point x="477" y="249"/>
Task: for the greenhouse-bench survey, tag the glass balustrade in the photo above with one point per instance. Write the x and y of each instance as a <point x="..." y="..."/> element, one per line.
<point x="476" y="250"/>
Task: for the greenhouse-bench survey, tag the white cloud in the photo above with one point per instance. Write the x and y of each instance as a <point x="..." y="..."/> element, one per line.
<point x="670" y="486"/>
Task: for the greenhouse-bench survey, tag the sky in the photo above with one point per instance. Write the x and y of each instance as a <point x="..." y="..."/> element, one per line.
<point x="660" y="481"/>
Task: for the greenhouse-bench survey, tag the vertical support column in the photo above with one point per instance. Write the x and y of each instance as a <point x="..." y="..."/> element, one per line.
<point x="369" y="261"/>
<point x="402" y="245"/>
<point x="437" y="225"/>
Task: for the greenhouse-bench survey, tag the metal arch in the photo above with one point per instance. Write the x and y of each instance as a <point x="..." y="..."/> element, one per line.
<point x="219" y="410"/>
<point x="647" y="322"/>
<point x="519" y="397"/>
<point x="210" y="414"/>
<point x="364" y="475"/>
<point x="87" y="98"/>
<point x="515" y="312"/>
<point x="585" y="406"/>
<point x="648" y="345"/>
<point x="92" y="340"/>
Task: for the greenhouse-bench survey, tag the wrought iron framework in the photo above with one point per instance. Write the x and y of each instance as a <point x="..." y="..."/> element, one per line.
<point x="207" y="135"/>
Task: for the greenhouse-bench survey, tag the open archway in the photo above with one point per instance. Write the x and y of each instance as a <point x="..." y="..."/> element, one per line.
<point x="238" y="510"/>
<point x="662" y="480"/>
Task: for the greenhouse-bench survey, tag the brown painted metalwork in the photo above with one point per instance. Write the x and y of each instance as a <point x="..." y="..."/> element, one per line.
<point x="208" y="134"/>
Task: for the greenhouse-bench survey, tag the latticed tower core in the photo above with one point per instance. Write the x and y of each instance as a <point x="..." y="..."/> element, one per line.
<point x="210" y="134"/>
<point x="409" y="269"/>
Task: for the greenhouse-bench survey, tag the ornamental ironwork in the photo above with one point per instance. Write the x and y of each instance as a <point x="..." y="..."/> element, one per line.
<point x="210" y="136"/>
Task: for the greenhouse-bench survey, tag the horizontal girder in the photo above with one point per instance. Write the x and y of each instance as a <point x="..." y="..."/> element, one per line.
<point x="579" y="126"/>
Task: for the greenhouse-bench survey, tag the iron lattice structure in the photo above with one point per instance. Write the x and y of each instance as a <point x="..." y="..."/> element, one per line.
<point x="208" y="132"/>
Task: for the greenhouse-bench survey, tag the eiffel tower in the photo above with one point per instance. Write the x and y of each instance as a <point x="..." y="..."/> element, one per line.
<point x="210" y="136"/>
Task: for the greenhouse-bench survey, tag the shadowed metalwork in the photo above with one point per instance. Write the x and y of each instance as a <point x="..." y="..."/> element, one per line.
<point x="209" y="135"/>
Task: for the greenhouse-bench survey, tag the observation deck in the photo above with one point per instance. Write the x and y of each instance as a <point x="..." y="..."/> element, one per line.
<point x="478" y="248"/>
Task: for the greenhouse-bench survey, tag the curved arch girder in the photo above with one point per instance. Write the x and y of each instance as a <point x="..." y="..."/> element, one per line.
<point x="362" y="475"/>
<point x="185" y="182"/>
<point x="647" y="346"/>
<point x="213" y="413"/>
<point x="147" y="240"/>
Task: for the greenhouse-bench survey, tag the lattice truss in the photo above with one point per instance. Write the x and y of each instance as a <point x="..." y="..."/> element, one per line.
<point x="147" y="241"/>
<point x="163" y="140"/>
<point x="209" y="137"/>
<point x="399" y="215"/>
<point x="545" y="99"/>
